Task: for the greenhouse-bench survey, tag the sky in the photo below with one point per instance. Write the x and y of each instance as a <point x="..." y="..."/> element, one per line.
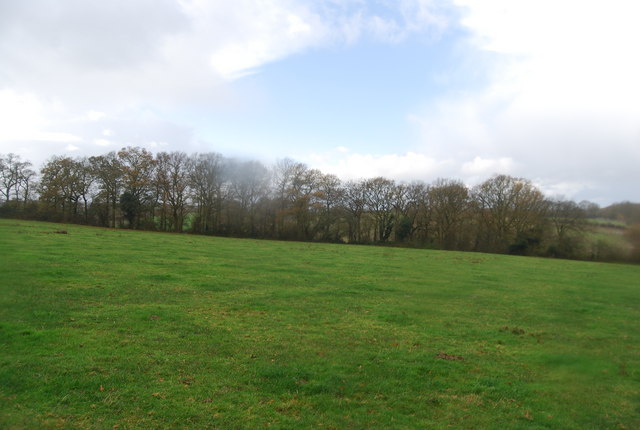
<point x="413" y="90"/>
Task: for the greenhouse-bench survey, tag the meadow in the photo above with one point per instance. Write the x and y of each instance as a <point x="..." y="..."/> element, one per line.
<point x="116" y="329"/>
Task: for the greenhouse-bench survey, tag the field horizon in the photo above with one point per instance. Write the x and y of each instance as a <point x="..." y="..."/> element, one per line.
<point x="104" y="328"/>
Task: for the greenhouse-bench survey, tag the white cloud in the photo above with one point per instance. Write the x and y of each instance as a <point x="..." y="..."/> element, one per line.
<point x="36" y="129"/>
<point x="458" y="127"/>
<point x="20" y="113"/>
<point x="85" y="70"/>
<point x="560" y="190"/>
<point x="562" y="58"/>
<point x="156" y="145"/>
<point x="95" y="115"/>
<point x="102" y="142"/>
<point x="483" y="167"/>
<point x="26" y="118"/>
<point x="412" y="166"/>
<point x="178" y="48"/>
<point x="267" y="31"/>
<point x="401" y="167"/>
<point x="262" y="32"/>
<point x="561" y="101"/>
<point x="52" y="137"/>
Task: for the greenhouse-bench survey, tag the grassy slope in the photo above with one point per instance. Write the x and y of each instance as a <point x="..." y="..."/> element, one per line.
<point x="102" y="328"/>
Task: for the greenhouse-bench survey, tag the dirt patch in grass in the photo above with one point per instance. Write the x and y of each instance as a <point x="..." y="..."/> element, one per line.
<point x="513" y="330"/>
<point x="449" y="357"/>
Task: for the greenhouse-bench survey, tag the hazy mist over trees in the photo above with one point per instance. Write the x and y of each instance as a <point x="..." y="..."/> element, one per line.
<point x="212" y="194"/>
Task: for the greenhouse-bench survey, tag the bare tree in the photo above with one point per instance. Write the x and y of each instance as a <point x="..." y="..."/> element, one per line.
<point x="248" y="186"/>
<point x="61" y="187"/>
<point x="329" y="198"/>
<point x="207" y="184"/>
<point x="15" y="176"/>
<point x="449" y="203"/>
<point x="408" y="199"/>
<point x="173" y="173"/>
<point x="26" y="186"/>
<point x="511" y="211"/>
<point x="304" y="197"/>
<point x="591" y="210"/>
<point x="84" y="183"/>
<point x="295" y="192"/>
<point x="107" y="171"/>
<point x="354" y="202"/>
<point x="568" y="220"/>
<point x="380" y="198"/>
<point x="138" y="197"/>
<point x="8" y="175"/>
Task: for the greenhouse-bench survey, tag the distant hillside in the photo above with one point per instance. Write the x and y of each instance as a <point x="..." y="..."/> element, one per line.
<point x="626" y="212"/>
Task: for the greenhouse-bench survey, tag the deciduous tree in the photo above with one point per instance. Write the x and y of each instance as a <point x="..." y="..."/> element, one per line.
<point x="207" y="183"/>
<point x="354" y="202"/>
<point x="138" y="168"/>
<point x="61" y="187"/>
<point x="248" y="186"/>
<point x="173" y="174"/>
<point x="108" y="174"/>
<point x="511" y="212"/>
<point x="568" y="220"/>
<point x="16" y="179"/>
<point x="380" y="198"/>
<point x="449" y="205"/>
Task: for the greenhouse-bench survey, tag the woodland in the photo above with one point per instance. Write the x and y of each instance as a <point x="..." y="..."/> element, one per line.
<point x="215" y="195"/>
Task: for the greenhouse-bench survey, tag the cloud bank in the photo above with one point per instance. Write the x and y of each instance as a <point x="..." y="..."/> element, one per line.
<point x="137" y="63"/>
<point x="560" y="100"/>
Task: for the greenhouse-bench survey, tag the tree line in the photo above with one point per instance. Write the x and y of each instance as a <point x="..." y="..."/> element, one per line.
<point x="212" y="194"/>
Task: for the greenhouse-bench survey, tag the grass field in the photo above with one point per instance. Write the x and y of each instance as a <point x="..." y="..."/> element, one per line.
<point x="117" y="329"/>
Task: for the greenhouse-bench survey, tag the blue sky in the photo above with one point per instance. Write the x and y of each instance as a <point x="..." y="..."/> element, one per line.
<point x="352" y="96"/>
<point x="407" y="89"/>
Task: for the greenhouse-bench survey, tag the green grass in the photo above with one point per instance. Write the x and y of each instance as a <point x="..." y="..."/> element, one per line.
<point x="117" y="329"/>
